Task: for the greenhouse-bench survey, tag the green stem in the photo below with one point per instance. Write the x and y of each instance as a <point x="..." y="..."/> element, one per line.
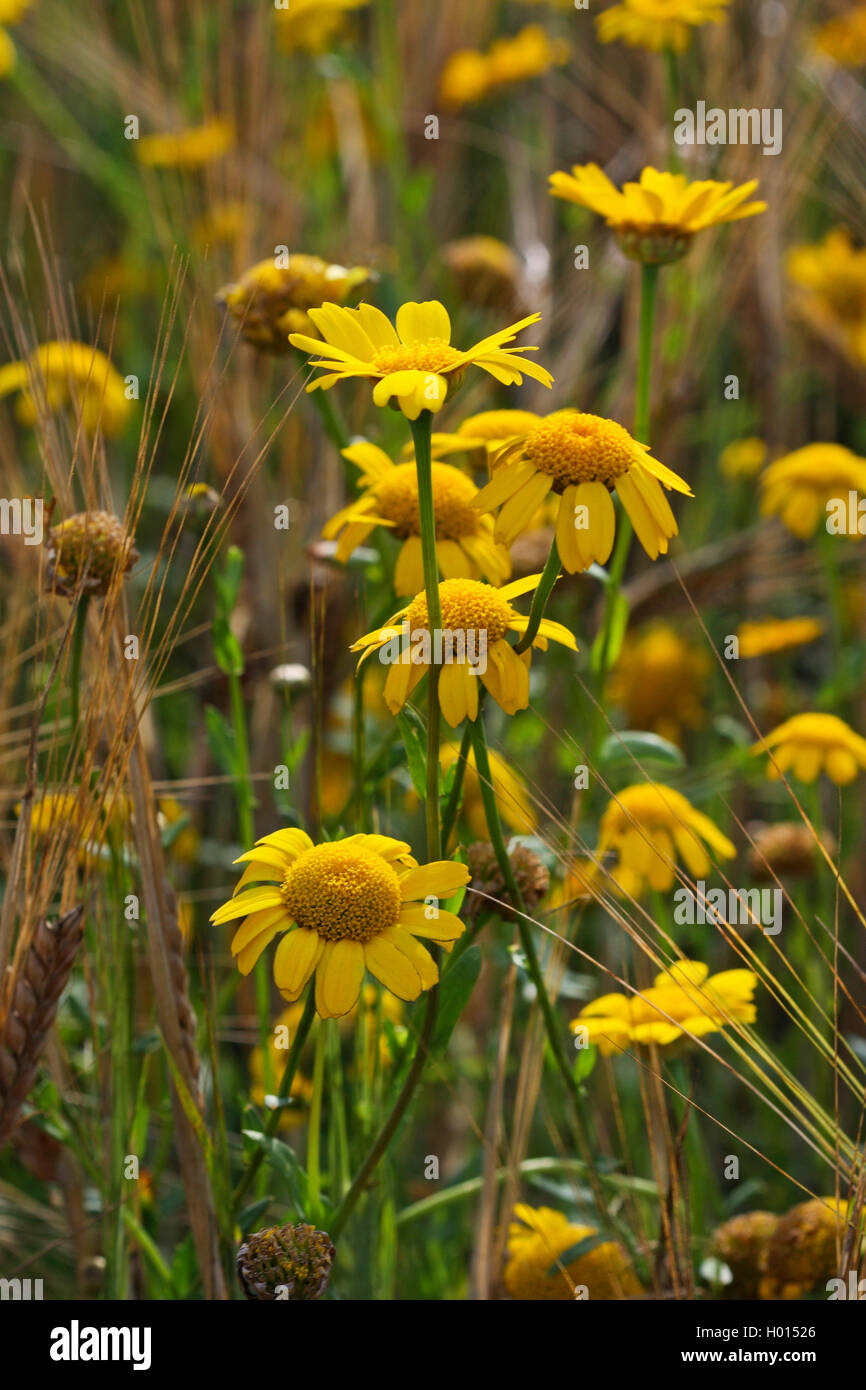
<point x="421" y="431"/>
<point x="75" y="658"/>
<point x="246" y="803"/>
<point x="273" y="1120"/>
<point x="549" y="576"/>
<point x="453" y="805"/>
<point x="315" y="1125"/>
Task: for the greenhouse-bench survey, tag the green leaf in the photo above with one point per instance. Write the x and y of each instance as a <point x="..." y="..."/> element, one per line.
<point x="228" y="581"/>
<point x="283" y="1162"/>
<point x="250" y="1215"/>
<point x="581" y="1247"/>
<point x="221" y="740"/>
<point x="414" y="732"/>
<point x="227" y="648"/>
<point x="454" y="991"/>
<point x="617" y="627"/>
<point x="640" y="746"/>
<point x="584" y="1062"/>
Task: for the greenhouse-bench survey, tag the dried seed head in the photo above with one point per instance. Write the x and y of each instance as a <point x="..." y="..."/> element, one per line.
<point x="84" y="553"/>
<point x="801" y="1252"/>
<point x="787" y="850"/>
<point x="532" y="877"/>
<point x="741" y="1243"/>
<point x="291" y="1262"/>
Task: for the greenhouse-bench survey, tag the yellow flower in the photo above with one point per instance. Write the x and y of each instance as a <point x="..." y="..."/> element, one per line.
<point x="271" y="301"/>
<point x="485" y="434"/>
<point x="683" y="1001"/>
<point x="537" y="1240"/>
<point x="831" y="276"/>
<point x="843" y="38"/>
<point x="811" y="743"/>
<point x="512" y="798"/>
<point x="650" y="827"/>
<point x="660" y="681"/>
<point x="582" y="458"/>
<point x="187" y="149"/>
<point x="743" y="458"/>
<point x="465" y="547"/>
<point x="776" y="635"/>
<point x="61" y="373"/>
<point x="470" y="76"/>
<point x="223" y="224"/>
<point x="11" y="11"/>
<point x="342" y="908"/>
<point x="658" y="24"/>
<point x="475" y="621"/>
<point x="797" y="487"/>
<point x="53" y="814"/>
<point x="310" y="26"/>
<point x="655" y="219"/>
<point x="413" y="363"/>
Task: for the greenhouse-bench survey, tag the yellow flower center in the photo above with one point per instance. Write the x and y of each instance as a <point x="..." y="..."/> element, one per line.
<point x="435" y="355"/>
<point x="453" y="491"/>
<point x="575" y="448"/>
<point x="343" y="893"/>
<point x="468" y="606"/>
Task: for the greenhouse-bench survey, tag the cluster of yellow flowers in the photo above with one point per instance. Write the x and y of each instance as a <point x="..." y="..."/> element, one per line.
<point x="470" y="76"/>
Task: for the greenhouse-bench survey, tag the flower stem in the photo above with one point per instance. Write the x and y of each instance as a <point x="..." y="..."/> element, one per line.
<point x="75" y="658"/>
<point x="453" y="805"/>
<point x="285" y="1090"/>
<point x="315" y="1124"/>
<point x="549" y="576"/>
<point x="421" y="431"/>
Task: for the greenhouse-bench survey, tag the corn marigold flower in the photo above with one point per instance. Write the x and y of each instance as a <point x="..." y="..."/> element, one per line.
<point x="583" y="459"/>
<point x="413" y="363"/>
<point x="482" y="436"/>
<point x="649" y="827"/>
<point x="801" y="1251"/>
<point x="311" y="26"/>
<point x="476" y="618"/>
<point x="758" y="638"/>
<point x="465" y="548"/>
<point x="797" y="487"/>
<point x="743" y="458"/>
<point x="830" y="276"/>
<point x="537" y="1240"/>
<point x="843" y="38"/>
<point x="811" y="743"/>
<point x="512" y="798"/>
<point x="470" y="76"/>
<point x="660" y="681"/>
<point x="271" y="301"/>
<point x="64" y="373"/>
<point x="342" y="908"/>
<point x="192" y="148"/>
<point x="292" y="1262"/>
<point x="658" y="24"/>
<point x="655" y="219"/>
<point x="683" y="1000"/>
<point x="86" y="552"/>
<point x="742" y="1243"/>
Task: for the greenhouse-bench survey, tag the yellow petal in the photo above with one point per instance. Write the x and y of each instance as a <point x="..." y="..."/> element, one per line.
<point x="296" y="958"/>
<point x="437" y="880"/>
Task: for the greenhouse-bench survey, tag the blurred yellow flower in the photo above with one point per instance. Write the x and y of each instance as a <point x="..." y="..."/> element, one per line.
<point x="757" y="638"/>
<point x="187" y="149"/>
<point x="414" y="362"/>
<point x="349" y="906"/>
<point x="583" y="458"/>
<point x="469" y="76"/>
<point x="185" y="844"/>
<point x="465" y="547"/>
<point x="843" y="38"/>
<point x="660" y="681"/>
<point x="658" y="24"/>
<point x="685" y="1000"/>
<point x="656" y="218"/>
<point x="476" y="618"/>
<point x="650" y="827"/>
<point x="512" y="798"/>
<point x="831" y="276"/>
<point x="311" y="26"/>
<point x="224" y="223"/>
<point x="537" y="1240"/>
<point x="486" y="270"/>
<point x="11" y="11"/>
<point x="811" y="743"/>
<point x="743" y="458"/>
<point x="64" y="373"/>
<point x="485" y="434"/>
<point x="797" y="487"/>
<point x="270" y="301"/>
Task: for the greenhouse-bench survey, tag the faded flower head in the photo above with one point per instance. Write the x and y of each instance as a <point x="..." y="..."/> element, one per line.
<point x="85" y="552"/>
<point x="801" y="1252"/>
<point x="270" y="301"/>
<point x="787" y="849"/>
<point x="286" y="1262"/>
<point x="531" y="876"/>
<point x="742" y="1244"/>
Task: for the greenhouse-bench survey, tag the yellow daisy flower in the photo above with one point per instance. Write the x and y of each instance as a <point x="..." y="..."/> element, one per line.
<point x="658" y="24"/>
<point x="583" y="458"/>
<point x="342" y="908"/>
<point x="470" y="76"/>
<point x="414" y="362"/>
<point x="743" y="458"/>
<point x="538" y="1238"/>
<point x="811" y="743"/>
<point x="797" y="487"/>
<point x="482" y="436"/>
<point x="757" y="638"/>
<point x="650" y="827"/>
<point x="685" y="1000"/>
<point x="271" y="301"/>
<point x="656" y="218"/>
<point x="310" y="26"/>
<point x="61" y="373"/>
<point x="187" y="149"/>
<point x="465" y="548"/>
<point x="831" y="280"/>
<point x="475" y="621"/>
<point x="11" y="12"/>
<point x="660" y="681"/>
<point x="843" y="38"/>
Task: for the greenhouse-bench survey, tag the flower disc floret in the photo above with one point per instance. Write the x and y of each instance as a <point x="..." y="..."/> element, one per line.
<point x="572" y="447"/>
<point x="343" y="895"/>
<point x="467" y="606"/>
